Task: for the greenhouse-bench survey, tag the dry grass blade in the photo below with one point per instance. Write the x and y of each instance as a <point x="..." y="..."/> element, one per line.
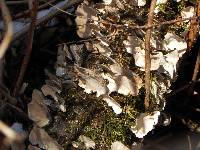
<point x="147" y="54"/>
<point x="9" y="28"/>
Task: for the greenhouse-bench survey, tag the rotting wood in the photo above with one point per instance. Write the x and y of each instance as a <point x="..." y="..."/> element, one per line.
<point x="147" y="55"/>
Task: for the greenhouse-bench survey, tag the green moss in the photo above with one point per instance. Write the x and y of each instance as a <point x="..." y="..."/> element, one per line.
<point x="107" y="127"/>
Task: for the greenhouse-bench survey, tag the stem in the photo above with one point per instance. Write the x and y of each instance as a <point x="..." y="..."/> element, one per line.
<point x="147" y="55"/>
<point x="29" y="47"/>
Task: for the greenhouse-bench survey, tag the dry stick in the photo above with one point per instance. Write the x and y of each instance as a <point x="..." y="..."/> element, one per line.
<point x="10" y="99"/>
<point x="29" y="46"/>
<point x="196" y="69"/>
<point x="197" y="65"/>
<point x="27" y="12"/>
<point x="147" y="54"/>
<point x="9" y="28"/>
<point x="16" y="2"/>
<point x="193" y="28"/>
<point x="130" y="27"/>
<point x="61" y="9"/>
<point x="182" y="88"/>
<point x="46" y="18"/>
<point x="8" y="132"/>
<point x="8" y="35"/>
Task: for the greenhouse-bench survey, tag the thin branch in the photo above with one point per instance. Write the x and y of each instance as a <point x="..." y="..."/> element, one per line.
<point x="147" y="55"/>
<point x="16" y="2"/>
<point x="27" y="12"/>
<point x="193" y="35"/>
<point x="9" y="28"/>
<point x="6" y="93"/>
<point x="182" y="88"/>
<point x="9" y="133"/>
<point x="194" y="27"/>
<point x="196" y="68"/>
<point x="53" y="13"/>
<point x="197" y="65"/>
<point x="29" y="46"/>
<point x="126" y="26"/>
<point x="130" y="28"/>
<point x="189" y="142"/>
<point x="61" y="10"/>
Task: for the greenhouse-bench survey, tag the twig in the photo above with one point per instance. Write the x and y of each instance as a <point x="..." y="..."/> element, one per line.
<point x="197" y="64"/>
<point x="1" y="69"/>
<point x="50" y="15"/>
<point x="129" y="30"/>
<point x="194" y="25"/>
<point x="195" y="73"/>
<point x="147" y="54"/>
<point x="189" y="142"/>
<point x="27" y="12"/>
<point x="9" y="133"/>
<point x="9" y="28"/>
<point x="72" y="3"/>
<point x="126" y="26"/>
<point x="196" y="68"/>
<point x="49" y="3"/>
<point x="29" y="46"/>
<point x="16" y="2"/>
<point x="6" y="93"/>
<point x="182" y="88"/>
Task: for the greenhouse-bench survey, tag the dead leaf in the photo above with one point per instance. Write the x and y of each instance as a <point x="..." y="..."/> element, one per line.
<point x="117" y="145"/>
<point x="91" y="82"/>
<point x="87" y="142"/>
<point x="41" y="138"/>
<point x="145" y="123"/>
<point x="112" y="103"/>
<point x="37" y="110"/>
<point x="52" y="91"/>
